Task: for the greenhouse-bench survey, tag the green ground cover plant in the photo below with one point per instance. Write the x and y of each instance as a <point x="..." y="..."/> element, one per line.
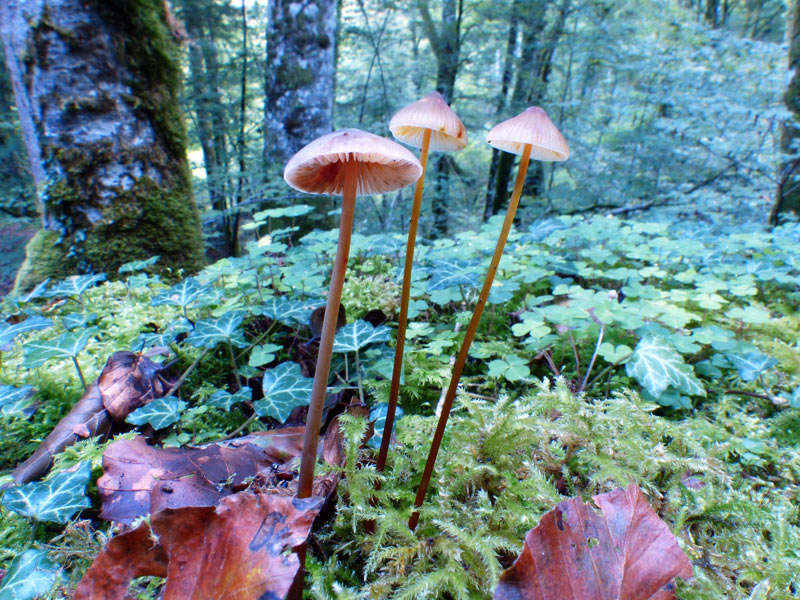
<point x="611" y="352"/>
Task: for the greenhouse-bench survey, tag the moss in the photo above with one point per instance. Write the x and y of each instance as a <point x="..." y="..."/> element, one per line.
<point x="294" y="77"/>
<point x="44" y="257"/>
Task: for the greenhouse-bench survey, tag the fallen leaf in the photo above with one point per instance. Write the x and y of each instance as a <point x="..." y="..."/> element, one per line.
<point x="128" y="381"/>
<point x="87" y="418"/>
<point x="627" y="553"/>
<point x="318" y="316"/>
<point x="239" y="550"/>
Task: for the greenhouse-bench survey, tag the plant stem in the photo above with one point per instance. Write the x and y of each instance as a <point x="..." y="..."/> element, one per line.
<point x="235" y="366"/>
<point x="594" y="357"/>
<point x="186" y="373"/>
<point x="473" y="327"/>
<point x="358" y="377"/>
<point x="80" y="373"/>
<point x="406" y="295"/>
<point x="575" y="352"/>
<point x="314" y="419"/>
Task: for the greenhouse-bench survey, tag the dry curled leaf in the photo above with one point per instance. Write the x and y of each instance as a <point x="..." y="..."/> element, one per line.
<point x="129" y="381"/>
<point x="239" y="550"/>
<point x="87" y="418"/>
<point x="625" y="553"/>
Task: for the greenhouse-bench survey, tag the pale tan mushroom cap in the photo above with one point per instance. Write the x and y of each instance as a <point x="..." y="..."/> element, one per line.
<point x="530" y="127"/>
<point x="383" y="165"/>
<point x="448" y="133"/>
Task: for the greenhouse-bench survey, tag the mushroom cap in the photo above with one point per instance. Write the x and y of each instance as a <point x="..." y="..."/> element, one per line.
<point x="448" y="133"/>
<point x="532" y="127"/>
<point x="383" y="165"/>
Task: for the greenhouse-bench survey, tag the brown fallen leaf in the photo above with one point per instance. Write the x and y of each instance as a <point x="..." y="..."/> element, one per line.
<point x="129" y="381"/>
<point x="186" y="476"/>
<point x="318" y="315"/>
<point x="237" y="551"/>
<point x="87" y="418"/>
<point x="627" y="553"/>
<point x="126" y="556"/>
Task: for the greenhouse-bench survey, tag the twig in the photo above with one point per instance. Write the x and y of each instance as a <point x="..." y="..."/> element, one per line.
<point x="239" y="429"/>
<point x="80" y="373"/>
<point x="748" y="394"/>
<point x="186" y="373"/>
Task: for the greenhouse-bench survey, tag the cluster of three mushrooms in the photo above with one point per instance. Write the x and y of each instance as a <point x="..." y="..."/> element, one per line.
<point x="352" y="162"/>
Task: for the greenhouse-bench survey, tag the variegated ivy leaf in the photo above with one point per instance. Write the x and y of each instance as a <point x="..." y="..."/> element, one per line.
<point x="751" y="365"/>
<point x="656" y="366"/>
<point x="14" y="399"/>
<point x="358" y="334"/>
<point x="541" y="229"/>
<point x="35" y="292"/>
<point x="73" y="287"/>
<point x="160" y="413"/>
<point x="166" y="337"/>
<point x="77" y="320"/>
<point x="56" y="499"/>
<point x="378" y="417"/>
<point x="138" y="265"/>
<point x="284" y="389"/>
<point x="224" y="400"/>
<point x="453" y="273"/>
<point x="9" y="332"/>
<point x="289" y="312"/>
<point x="227" y="328"/>
<point x="63" y="347"/>
<point x="30" y="575"/>
<point x="181" y="294"/>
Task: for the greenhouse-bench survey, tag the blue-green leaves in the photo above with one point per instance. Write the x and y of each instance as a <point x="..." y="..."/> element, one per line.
<point x="66" y="346"/>
<point x="30" y="575"/>
<point x="454" y="272"/>
<point x="656" y="366"/>
<point x="356" y="335"/>
<point x="75" y="286"/>
<point x="56" y="499"/>
<point x="8" y="333"/>
<point x="224" y="400"/>
<point x="13" y="400"/>
<point x="511" y="367"/>
<point x="751" y="365"/>
<point x="181" y="294"/>
<point x="159" y="413"/>
<point x="210" y="332"/>
<point x="284" y="389"/>
<point x="287" y="311"/>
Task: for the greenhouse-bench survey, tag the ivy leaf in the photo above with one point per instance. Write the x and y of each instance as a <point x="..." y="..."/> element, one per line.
<point x="14" y="400"/>
<point x="160" y="413"/>
<point x="210" y="332"/>
<point x="35" y="292"/>
<point x="181" y="294"/>
<point x="540" y="230"/>
<point x="751" y="314"/>
<point x="224" y="400"/>
<point x="64" y="346"/>
<point x="30" y="575"/>
<point x="77" y="320"/>
<point x="284" y="389"/>
<point x="9" y="332"/>
<point x="73" y="287"/>
<point x="453" y="273"/>
<point x="287" y="311"/>
<point x="166" y="337"/>
<point x="358" y="334"/>
<point x="656" y="366"/>
<point x="56" y="499"/>
<point x="138" y="265"/>
<point x="262" y="355"/>
<point x="378" y="417"/>
<point x="751" y="365"/>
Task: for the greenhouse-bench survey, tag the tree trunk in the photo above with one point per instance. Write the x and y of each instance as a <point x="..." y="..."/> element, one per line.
<point x="299" y="89"/>
<point x="96" y="84"/>
<point x="787" y="197"/>
<point x="445" y="42"/>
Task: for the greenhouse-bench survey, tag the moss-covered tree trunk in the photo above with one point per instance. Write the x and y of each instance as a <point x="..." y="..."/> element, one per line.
<point x="96" y="84"/>
<point x="787" y="195"/>
<point x="301" y="48"/>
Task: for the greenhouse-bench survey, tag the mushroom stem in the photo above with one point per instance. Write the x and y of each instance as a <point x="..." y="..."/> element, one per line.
<point x="473" y="327"/>
<point x="406" y="295"/>
<point x="308" y="458"/>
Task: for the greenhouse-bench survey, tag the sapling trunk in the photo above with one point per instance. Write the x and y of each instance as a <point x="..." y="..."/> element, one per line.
<point x="406" y="296"/>
<point x="473" y="327"/>
<point x="314" y="419"/>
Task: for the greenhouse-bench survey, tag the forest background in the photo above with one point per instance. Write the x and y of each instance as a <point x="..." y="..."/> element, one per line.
<point x="643" y="327"/>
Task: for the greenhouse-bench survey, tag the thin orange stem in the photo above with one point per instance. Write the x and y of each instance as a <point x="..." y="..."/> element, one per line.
<point x="308" y="459"/>
<point x="394" y="391"/>
<point x="473" y="327"/>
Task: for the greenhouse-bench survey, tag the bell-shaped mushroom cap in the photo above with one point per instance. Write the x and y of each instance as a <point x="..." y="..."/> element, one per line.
<point x="383" y="165"/>
<point x="532" y="127"/>
<point x="431" y="112"/>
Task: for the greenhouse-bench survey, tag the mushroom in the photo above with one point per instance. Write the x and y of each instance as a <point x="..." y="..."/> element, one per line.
<point x="348" y="162"/>
<point x="428" y="123"/>
<point x="533" y="135"/>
